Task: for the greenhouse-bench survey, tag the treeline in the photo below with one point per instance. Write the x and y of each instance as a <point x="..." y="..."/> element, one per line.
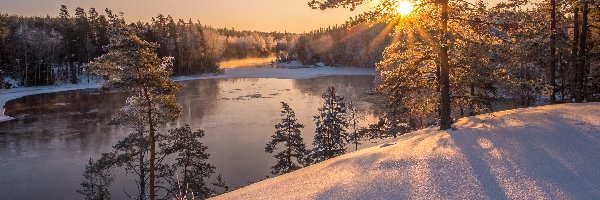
<point x="37" y="51"/>
<point x="360" y="45"/>
<point x="245" y="44"/>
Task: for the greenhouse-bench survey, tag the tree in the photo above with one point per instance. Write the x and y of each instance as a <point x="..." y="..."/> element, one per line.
<point x="220" y="183"/>
<point x="330" y="135"/>
<point x="191" y="161"/>
<point x="444" y="71"/>
<point x="440" y="44"/>
<point x="134" y="66"/>
<point x="553" y="59"/>
<point x="581" y="71"/>
<point x="353" y="116"/>
<point x="97" y="179"/>
<point x="288" y="133"/>
<point x="447" y="56"/>
<point x="575" y="83"/>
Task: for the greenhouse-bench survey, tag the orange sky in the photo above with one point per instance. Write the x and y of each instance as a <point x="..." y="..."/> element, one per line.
<point x="263" y="15"/>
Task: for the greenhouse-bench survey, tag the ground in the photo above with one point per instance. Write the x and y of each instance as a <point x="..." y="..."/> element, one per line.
<point x="547" y="152"/>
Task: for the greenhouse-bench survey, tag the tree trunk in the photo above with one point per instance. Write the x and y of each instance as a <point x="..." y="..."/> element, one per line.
<point x="142" y="175"/>
<point x="553" y="51"/>
<point x="574" y="85"/>
<point x="582" y="54"/>
<point x="472" y="101"/>
<point x="445" y="119"/>
<point x="289" y="147"/>
<point x="152" y="145"/>
<point x="356" y="138"/>
<point x="563" y="76"/>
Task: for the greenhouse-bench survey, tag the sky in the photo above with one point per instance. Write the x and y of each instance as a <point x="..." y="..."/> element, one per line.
<point x="262" y="15"/>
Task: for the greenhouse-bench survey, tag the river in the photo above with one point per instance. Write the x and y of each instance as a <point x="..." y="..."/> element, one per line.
<point x="43" y="152"/>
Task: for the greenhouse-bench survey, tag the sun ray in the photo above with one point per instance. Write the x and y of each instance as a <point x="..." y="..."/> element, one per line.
<point x="381" y="36"/>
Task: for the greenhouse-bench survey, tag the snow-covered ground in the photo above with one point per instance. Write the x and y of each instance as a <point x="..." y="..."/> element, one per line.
<point x="15" y="93"/>
<point x="282" y="73"/>
<point x="548" y="152"/>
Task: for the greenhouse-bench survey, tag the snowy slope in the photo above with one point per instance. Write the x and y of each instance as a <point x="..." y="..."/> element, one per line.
<point x="548" y="152"/>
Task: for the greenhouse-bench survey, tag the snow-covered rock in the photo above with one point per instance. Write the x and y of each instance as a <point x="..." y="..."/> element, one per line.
<point x="547" y="152"/>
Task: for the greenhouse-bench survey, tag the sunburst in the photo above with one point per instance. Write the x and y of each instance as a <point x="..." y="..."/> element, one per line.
<point x="404" y="7"/>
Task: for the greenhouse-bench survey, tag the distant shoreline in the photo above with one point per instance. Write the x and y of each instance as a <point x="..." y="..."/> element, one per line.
<point x="278" y="73"/>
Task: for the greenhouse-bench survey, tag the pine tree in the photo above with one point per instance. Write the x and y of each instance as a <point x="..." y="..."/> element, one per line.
<point x="553" y="58"/>
<point x="220" y="183"/>
<point x="330" y="135"/>
<point x="353" y="115"/>
<point x="134" y="66"/>
<point x="581" y="71"/>
<point x="435" y="20"/>
<point x="97" y="179"/>
<point x="288" y="133"/>
<point x="191" y="161"/>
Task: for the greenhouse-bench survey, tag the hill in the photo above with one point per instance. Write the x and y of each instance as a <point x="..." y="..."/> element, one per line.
<point x="547" y="152"/>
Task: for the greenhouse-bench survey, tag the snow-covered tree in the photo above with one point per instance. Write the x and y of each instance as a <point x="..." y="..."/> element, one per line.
<point x="330" y="135"/>
<point x="354" y="115"/>
<point x="293" y="153"/>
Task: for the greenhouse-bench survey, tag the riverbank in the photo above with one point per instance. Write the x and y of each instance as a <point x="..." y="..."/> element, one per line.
<point x="279" y="73"/>
<point x="546" y="152"/>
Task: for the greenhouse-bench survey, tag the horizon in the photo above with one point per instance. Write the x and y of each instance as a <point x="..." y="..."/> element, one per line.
<point x="251" y="15"/>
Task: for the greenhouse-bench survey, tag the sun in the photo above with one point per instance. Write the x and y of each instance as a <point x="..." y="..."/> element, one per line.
<point x="404" y="7"/>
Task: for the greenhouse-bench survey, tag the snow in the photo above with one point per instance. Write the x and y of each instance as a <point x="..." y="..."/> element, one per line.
<point x="290" y="64"/>
<point x="15" y="93"/>
<point x="547" y="152"/>
<point x="12" y="82"/>
<point x="282" y="73"/>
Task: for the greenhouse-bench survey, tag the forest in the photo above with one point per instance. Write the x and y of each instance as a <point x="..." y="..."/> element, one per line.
<point x="358" y="45"/>
<point x="37" y="51"/>
<point x="475" y="58"/>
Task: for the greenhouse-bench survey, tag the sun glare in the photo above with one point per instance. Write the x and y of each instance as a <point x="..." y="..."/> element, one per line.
<point x="404" y="7"/>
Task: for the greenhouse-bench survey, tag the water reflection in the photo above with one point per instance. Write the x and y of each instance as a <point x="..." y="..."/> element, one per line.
<point x="56" y="134"/>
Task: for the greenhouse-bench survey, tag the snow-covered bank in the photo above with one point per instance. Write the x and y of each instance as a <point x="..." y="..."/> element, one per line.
<point x="548" y="152"/>
<point x="15" y="93"/>
<point x="282" y="73"/>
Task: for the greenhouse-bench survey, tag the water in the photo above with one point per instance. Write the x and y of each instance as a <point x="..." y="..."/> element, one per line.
<point x="44" y="151"/>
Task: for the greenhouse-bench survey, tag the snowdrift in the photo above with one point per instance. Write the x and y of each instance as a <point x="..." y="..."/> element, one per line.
<point x="548" y="152"/>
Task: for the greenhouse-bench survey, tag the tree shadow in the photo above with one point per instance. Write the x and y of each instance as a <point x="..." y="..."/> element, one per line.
<point x="552" y="158"/>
